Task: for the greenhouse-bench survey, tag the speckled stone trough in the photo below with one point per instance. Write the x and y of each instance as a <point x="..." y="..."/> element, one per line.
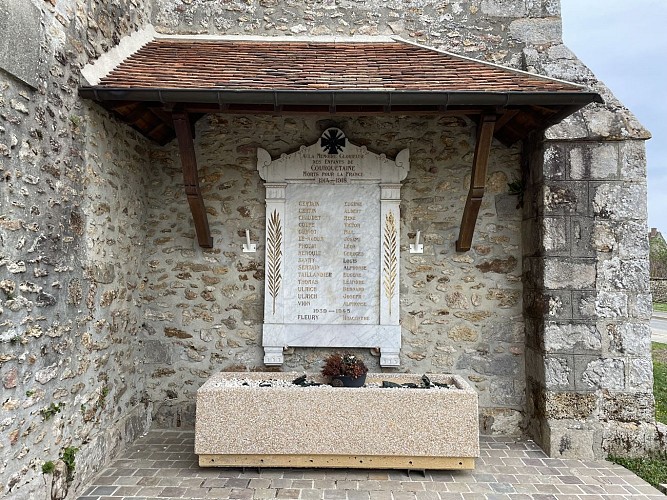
<point x="368" y="427"/>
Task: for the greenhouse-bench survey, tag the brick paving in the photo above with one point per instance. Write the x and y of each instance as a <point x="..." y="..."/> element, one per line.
<point x="162" y="465"/>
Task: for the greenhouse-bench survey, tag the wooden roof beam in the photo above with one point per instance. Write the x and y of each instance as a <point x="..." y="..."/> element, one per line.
<point x="136" y="114"/>
<point x="505" y="118"/>
<point x="480" y="161"/>
<point x="184" y="135"/>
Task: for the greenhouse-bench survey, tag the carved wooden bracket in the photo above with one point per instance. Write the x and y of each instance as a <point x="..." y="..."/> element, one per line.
<point x="480" y="161"/>
<point x="184" y="134"/>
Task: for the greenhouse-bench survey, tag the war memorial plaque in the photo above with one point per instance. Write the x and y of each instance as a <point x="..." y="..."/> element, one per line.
<point x="332" y="248"/>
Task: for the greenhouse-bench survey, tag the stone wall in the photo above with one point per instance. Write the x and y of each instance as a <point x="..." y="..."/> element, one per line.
<point x="455" y="332"/>
<point x="108" y="306"/>
<point x="493" y="30"/>
<point x="460" y="313"/>
<point x="71" y="236"/>
<point x="589" y="365"/>
<point x="586" y="300"/>
<point x="659" y="290"/>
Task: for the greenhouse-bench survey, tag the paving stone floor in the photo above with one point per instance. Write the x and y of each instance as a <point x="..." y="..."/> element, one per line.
<point x="162" y="465"/>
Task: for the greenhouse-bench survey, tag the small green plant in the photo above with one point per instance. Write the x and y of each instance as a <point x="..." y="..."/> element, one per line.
<point x="47" y="467"/>
<point x="76" y="120"/>
<point x="29" y="393"/>
<point x="16" y="339"/>
<point x="657" y="306"/>
<point x="659" y="353"/>
<point x="68" y="456"/>
<point x="51" y="410"/>
<point x="103" y="396"/>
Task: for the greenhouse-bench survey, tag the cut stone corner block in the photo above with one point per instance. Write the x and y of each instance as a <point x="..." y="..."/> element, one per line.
<point x="631" y="439"/>
<point x="291" y="426"/>
<point x="596" y="440"/>
<point x="576" y="439"/>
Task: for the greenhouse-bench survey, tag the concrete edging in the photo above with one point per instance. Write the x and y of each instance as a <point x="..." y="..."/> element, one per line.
<point x="659" y="315"/>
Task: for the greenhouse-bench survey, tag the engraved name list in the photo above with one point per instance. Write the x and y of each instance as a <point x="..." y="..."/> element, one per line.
<point x="331" y="250"/>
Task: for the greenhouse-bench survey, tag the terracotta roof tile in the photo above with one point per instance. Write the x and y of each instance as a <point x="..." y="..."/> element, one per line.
<point x="231" y="76"/>
<point x="300" y="66"/>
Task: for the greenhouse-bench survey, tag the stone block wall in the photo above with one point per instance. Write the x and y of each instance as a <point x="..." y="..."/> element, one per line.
<point x="587" y="302"/>
<point x="589" y="366"/>
<point x="461" y="313"/>
<point x="659" y="290"/>
<point x="71" y="237"/>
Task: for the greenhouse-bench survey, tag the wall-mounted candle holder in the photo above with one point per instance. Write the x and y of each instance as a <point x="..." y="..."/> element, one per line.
<point x="247" y="246"/>
<point x="417" y="247"/>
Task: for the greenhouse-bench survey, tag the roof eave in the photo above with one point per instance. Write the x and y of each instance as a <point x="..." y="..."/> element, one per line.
<point x="382" y="97"/>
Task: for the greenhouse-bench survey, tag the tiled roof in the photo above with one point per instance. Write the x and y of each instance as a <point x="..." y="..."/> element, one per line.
<point x="203" y="75"/>
<point x="300" y="66"/>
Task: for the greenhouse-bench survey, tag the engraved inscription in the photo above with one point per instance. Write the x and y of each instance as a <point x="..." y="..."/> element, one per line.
<point x="329" y="169"/>
<point x="332" y="251"/>
<point x="390" y="258"/>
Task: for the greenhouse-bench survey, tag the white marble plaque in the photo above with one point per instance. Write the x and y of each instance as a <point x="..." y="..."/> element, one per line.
<point x="331" y="267"/>
<point x="332" y="248"/>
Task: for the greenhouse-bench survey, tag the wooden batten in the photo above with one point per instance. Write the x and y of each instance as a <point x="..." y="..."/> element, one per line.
<point x="480" y="161"/>
<point x="340" y="461"/>
<point x="184" y="135"/>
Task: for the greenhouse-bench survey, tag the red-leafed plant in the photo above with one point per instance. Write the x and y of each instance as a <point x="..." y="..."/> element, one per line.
<point x="344" y="365"/>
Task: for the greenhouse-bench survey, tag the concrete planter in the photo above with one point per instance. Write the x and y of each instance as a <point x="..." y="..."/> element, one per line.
<point x="366" y="427"/>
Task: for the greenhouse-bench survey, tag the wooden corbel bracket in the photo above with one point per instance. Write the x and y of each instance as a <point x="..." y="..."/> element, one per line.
<point x="480" y="161"/>
<point x="184" y="135"/>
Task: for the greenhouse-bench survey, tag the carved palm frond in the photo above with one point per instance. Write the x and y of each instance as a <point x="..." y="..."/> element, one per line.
<point x="274" y="256"/>
<point x="390" y="258"/>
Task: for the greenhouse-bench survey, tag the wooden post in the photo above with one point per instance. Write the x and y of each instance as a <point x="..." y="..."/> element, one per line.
<point x="477" y="181"/>
<point x="184" y="134"/>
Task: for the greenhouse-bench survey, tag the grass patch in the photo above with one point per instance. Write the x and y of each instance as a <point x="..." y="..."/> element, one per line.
<point x="657" y="306"/>
<point x="653" y="469"/>
<point x="659" y="353"/>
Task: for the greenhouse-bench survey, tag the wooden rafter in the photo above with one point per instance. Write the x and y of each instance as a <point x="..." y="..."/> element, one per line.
<point x="504" y="118"/>
<point x="184" y="134"/>
<point x="513" y="124"/>
<point x="135" y="114"/>
<point x="480" y="161"/>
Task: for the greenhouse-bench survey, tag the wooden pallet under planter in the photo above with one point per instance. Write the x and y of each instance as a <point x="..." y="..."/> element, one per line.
<point x="366" y="427"/>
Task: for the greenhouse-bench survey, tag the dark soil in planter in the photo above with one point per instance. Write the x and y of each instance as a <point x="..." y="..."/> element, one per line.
<point x="425" y="383"/>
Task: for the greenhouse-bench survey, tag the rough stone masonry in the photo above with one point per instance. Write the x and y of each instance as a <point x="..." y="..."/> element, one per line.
<point x="111" y="316"/>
